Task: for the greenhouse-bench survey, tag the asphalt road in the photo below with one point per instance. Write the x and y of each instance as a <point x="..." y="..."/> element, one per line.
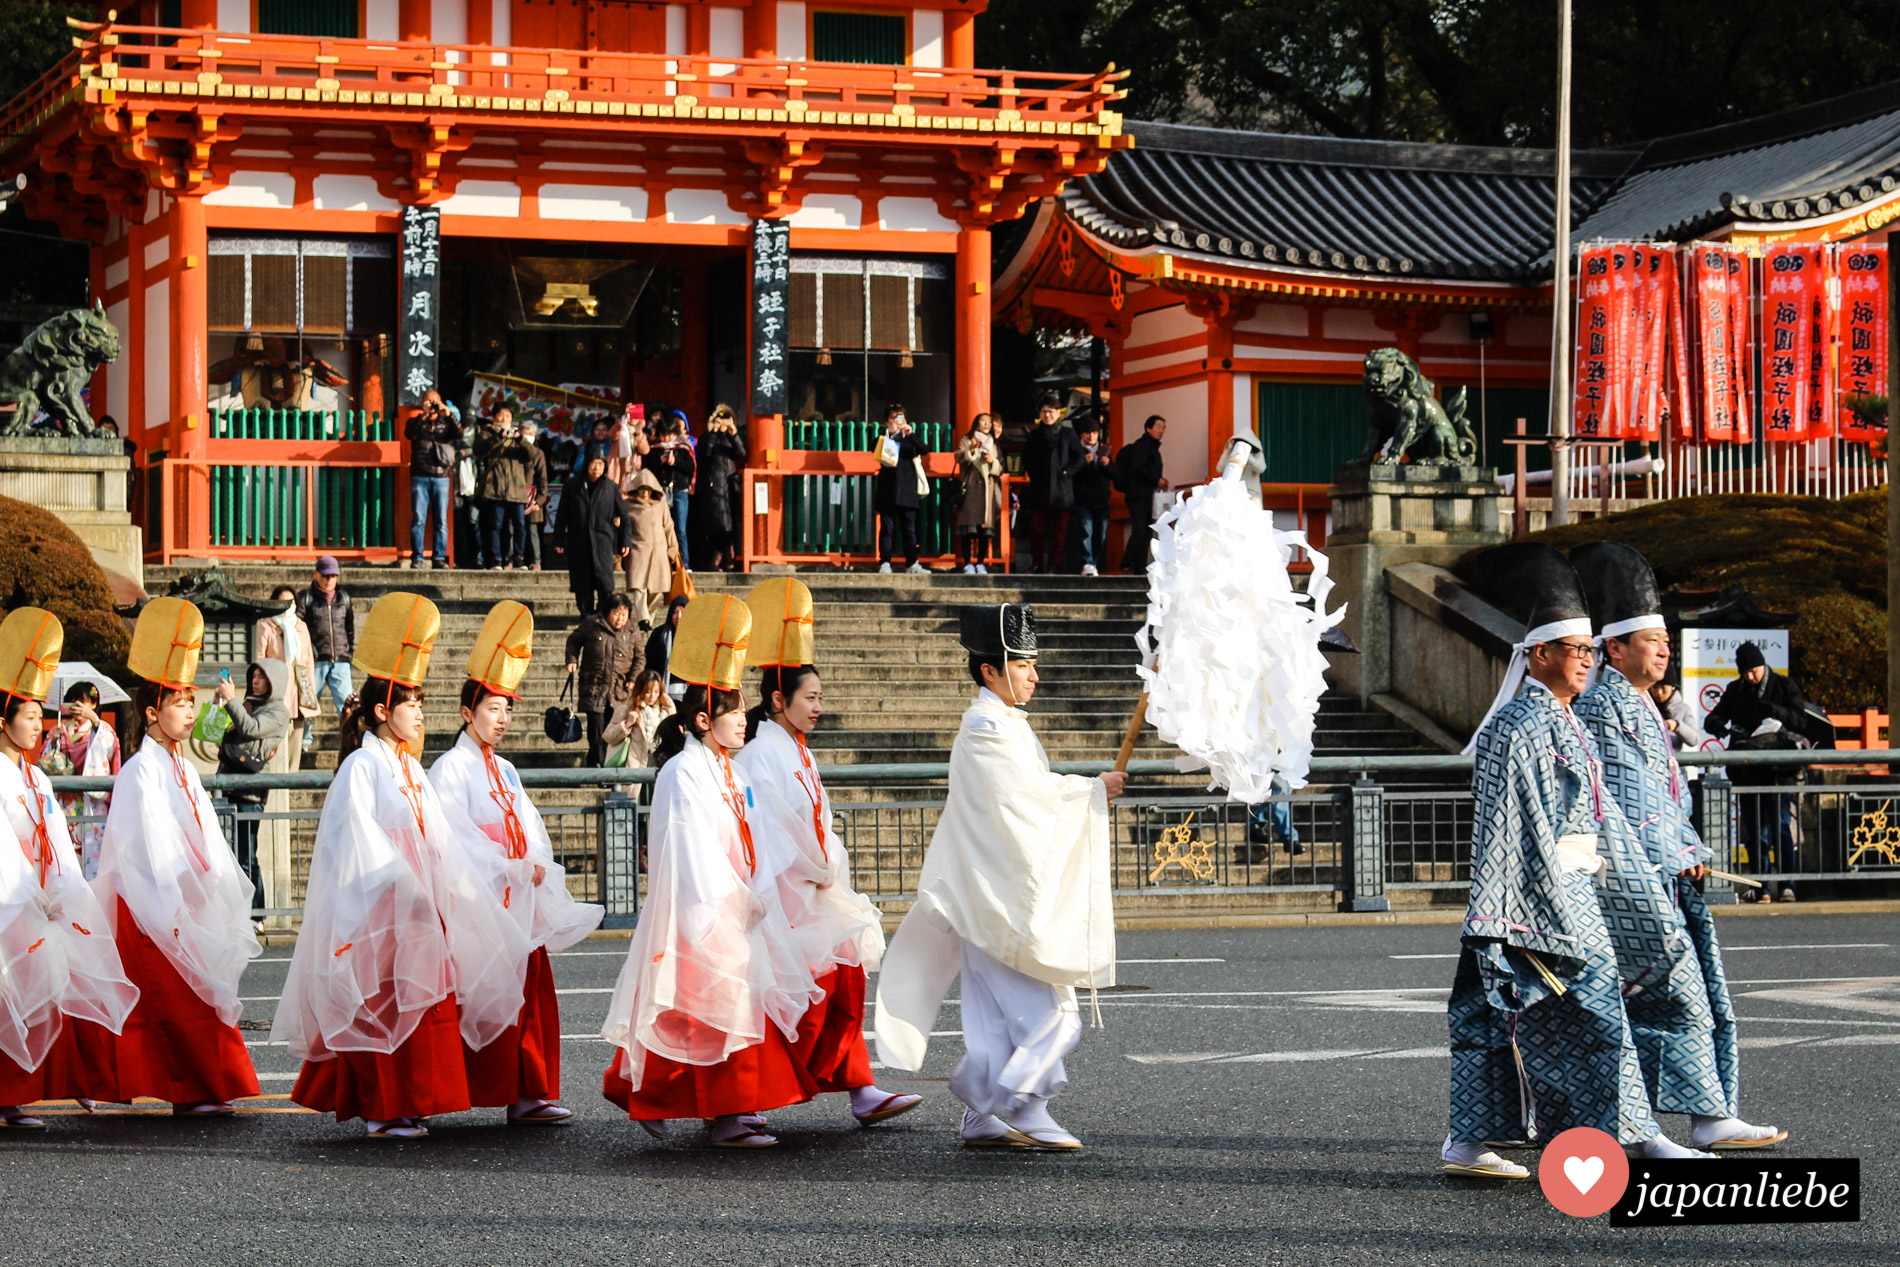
<point x="1259" y="1097"/>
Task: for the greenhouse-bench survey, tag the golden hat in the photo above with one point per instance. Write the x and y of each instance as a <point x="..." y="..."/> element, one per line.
<point x="398" y="638"/>
<point x="503" y="648"/>
<point x="781" y="613"/>
<point x="710" y="645"/>
<point x="30" y="642"/>
<point x="166" y="642"/>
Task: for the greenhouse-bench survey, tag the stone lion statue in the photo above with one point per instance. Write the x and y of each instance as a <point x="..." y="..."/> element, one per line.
<point x="1404" y="415"/>
<point x="48" y="371"/>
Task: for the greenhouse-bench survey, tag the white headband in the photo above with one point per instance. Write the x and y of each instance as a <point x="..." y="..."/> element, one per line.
<point x="1514" y="671"/>
<point x="1619" y="629"/>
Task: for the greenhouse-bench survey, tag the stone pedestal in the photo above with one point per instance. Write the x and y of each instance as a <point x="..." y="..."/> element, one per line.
<point x="84" y="483"/>
<point x="1390" y="514"/>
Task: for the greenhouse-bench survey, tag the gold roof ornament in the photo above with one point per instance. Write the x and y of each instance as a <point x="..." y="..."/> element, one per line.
<point x="781" y="610"/>
<point x="166" y="643"/>
<point x="31" y="639"/>
<point x="398" y="638"/>
<point x="709" y="648"/>
<point x="503" y="648"/>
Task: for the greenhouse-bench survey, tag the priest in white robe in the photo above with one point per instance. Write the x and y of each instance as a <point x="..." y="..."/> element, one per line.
<point x="1014" y="895"/>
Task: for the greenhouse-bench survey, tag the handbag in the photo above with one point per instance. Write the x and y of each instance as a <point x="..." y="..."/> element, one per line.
<point x="682" y="586"/>
<point x="923" y="481"/>
<point x="211" y="725"/>
<point x="559" y="723"/>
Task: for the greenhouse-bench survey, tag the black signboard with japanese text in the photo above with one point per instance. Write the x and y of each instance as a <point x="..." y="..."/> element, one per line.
<point x="771" y="291"/>
<point x="418" y="299"/>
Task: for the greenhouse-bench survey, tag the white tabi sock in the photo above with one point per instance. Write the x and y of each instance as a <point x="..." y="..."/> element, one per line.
<point x="981" y="1125"/>
<point x="1032" y="1114"/>
<point x="1715" y="1130"/>
<point x="1662" y="1148"/>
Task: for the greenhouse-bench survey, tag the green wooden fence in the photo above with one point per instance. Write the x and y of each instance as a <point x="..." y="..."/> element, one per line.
<point x="837" y="514"/>
<point x="255" y="505"/>
<point x="300" y="424"/>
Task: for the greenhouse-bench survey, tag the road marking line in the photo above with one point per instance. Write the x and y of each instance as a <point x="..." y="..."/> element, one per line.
<point x="1785" y="1041"/>
<point x="1413" y="1053"/>
<point x="1813" y="980"/>
<point x="1450" y="956"/>
<point x="1813" y="1020"/>
<point x="1858" y="1040"/>
<point x="1170" y="961"/>
<point x="1840" y="945"/>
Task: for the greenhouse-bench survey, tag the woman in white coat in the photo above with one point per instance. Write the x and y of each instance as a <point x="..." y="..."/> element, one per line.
<point x="404" y="955"/>
<point x="839" y="931"/>
<point x="63" y="995"/>
<point x="706" y="1011"/>
<point x="492" y="816"/>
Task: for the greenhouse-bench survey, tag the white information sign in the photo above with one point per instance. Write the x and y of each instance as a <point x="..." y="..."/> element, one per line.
<point x="1708" y="666"/>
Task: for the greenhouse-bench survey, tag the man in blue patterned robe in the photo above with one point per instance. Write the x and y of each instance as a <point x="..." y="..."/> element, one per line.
<point x="1540" y="1042"/>
<point x="1683" y="1019"/>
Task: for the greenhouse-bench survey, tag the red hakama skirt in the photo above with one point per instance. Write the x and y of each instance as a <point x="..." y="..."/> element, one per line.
<point x="82" y="1062"/>
<point x="421" y="1078"/>
<point x="831" y="1033"/>
<point x="766" y="1075"/>
<point x="174" y="1046"/>
<point x="525" y="1062"/>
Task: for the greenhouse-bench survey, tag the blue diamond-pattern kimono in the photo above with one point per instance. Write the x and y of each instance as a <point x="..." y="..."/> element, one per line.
<point x="1684" y="1024"/>
<point x="1534" y="781"/>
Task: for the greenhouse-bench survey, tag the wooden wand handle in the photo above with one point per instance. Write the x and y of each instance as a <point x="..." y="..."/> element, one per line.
<point x="1133" y="733"/>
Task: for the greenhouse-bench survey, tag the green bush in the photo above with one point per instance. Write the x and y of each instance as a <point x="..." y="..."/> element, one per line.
<point x="1825" y="561"/>
<point x="46" y="565"/>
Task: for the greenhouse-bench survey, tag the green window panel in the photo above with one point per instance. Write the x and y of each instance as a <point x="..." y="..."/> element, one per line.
<point x="872" y="38"/>
<point x="826" y="514"/>
<point x="1309" y="430"/>
<point x="336" y="18"/>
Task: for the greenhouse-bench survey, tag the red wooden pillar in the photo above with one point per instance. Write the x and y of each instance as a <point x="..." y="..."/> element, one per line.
<point x="959" y="38"/>
<point x="973" y="324"/>
<point x="412" y="21"/>
<point x="198" y="15"/>
<point x="1220" y="388"/>
<point x="189" y="365"/>
<point x="761" y="30"/>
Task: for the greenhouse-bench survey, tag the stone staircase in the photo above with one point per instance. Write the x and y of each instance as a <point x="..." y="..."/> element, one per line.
<point x="896" y="684"/>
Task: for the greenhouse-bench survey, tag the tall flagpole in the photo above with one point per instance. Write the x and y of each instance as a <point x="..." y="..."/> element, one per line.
<point x="1560" y="289"/>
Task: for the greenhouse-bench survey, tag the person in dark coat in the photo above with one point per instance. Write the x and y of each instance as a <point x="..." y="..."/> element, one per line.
<point x="673" y="463"/>
<point x="1092" y="489"/>
<point x="717" y="514"/>
<point x="898" y="456"/>
<point x="1051" y="457"/>
<point x="605" y="655"/>
<point x="660" y="648"/>
<point x="596" y="534"/>
<point x="1138" y="474"/>
<point x="1761" y="709"/>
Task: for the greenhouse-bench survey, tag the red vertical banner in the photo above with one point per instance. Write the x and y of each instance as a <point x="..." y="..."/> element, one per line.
<point x="1652" y="294"/>
<point x="1863" y="334"/>
<point x="1741" y="329"/>
<point x="1592" y="413"/>
<point x="1626" y="353"/>
<point x="1791" y="272"/>
<point x="1715" y="344"/>
<point x="1821" y="334"/>
<point x="1681" y="405"/>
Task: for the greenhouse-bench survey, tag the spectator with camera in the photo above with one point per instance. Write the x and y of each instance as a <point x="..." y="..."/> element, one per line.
<point x="435" y="444"/>
<point x="674" y="463"/>
<point x="504" y="461"/>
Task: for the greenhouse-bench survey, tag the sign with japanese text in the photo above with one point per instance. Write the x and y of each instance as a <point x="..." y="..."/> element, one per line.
<point x="1863" y="326"/>
<point x="771" y="244"/>
<point x="418" y="298"/>
<point x="1716" y="343"/>
<point x="1708" y="667"/>
<point x="1596" y="411"/>
<point x="1794" y="277"/>
<point x="1741" y="331"/>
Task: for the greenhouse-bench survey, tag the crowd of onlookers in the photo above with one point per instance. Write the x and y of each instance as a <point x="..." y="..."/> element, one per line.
<point x="636" y="498"/>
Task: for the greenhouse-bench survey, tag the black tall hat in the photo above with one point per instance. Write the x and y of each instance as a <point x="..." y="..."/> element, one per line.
<point x="1533" y="582"/>
<point x="1005" y="631"/>
<point x="1621" y="588"/>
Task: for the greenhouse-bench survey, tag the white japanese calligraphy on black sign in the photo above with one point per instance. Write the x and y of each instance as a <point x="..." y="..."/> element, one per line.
<point x="418" y="299"/>
<point x="771" y="293"/>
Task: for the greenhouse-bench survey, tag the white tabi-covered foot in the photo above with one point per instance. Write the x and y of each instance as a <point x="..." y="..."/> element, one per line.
<point x="1032" y="1118"/>
<point x="733" y="1131"/>
<point x="1662" y="1148"/>
<point x="1478" y="1162"/>
<point x="986" y="1130"/>
<point x="874" y="1104"/>
<point x="1726" y="1133"/>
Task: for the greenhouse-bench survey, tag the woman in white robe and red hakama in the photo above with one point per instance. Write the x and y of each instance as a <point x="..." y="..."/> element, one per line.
<point x="839" y="930"/>
<point x="707" y="1008"/>
<point x="179" y="904"/>
<point x="63" y="994"/>
<point x="507" y="843"/>
<point x="404" y="954"/>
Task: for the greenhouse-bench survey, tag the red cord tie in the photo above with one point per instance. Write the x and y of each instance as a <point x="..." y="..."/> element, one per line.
<point x="178" y="774"/>
<point x="736" y="800"/>
<point x="410" y="791"/>
<point x="516" y="844"/>
<point x="40" y="851"/>
<point x="814" y="789"/>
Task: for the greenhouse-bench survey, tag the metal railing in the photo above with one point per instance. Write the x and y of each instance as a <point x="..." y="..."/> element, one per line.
<point x="1361" y="841"/>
